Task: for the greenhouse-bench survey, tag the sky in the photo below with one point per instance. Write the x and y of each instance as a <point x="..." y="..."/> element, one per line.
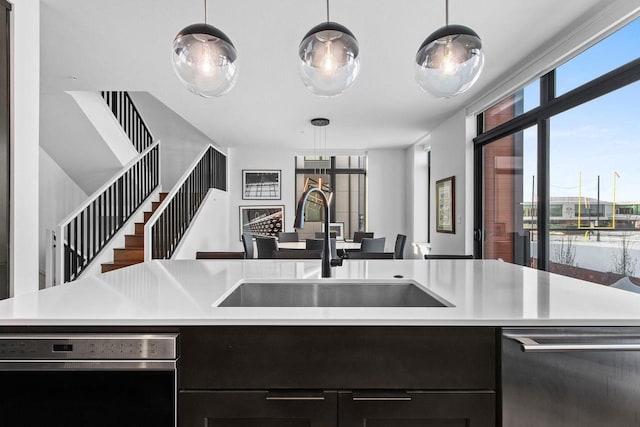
<point x="601" y="137"/>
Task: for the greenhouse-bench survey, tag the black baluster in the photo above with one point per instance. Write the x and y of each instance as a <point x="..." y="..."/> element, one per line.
<point x="65" y="251"/>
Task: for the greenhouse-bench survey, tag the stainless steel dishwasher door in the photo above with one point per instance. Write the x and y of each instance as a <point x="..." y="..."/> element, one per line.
<point x="571" y="377"/>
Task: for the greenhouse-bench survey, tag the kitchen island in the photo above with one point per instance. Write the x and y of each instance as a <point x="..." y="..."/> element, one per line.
<point x="333" y="366"/>
<point x="479" y="292"/>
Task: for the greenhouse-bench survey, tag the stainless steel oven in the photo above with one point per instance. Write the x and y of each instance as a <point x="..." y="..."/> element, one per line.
<point x="90" y="380"/>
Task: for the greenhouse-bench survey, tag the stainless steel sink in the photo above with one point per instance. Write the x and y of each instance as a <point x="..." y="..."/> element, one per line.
<point x="331" y="294"/>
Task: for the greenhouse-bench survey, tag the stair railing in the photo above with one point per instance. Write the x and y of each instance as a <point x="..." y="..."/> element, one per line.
<point x="129" y="117"/>
<point x="168" y="224"/>
<point x="88" y="229"/>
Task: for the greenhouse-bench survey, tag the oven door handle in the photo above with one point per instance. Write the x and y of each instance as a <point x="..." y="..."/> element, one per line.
<point x="87" y="365"/>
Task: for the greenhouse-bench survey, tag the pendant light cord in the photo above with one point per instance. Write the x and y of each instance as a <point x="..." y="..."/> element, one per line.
<point x="205" y="11"/>
<point x="327" y="10"/>
<point x="446" y="13"/>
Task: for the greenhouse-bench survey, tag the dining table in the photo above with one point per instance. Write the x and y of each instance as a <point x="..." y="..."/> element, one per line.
<point x="340" y="244"/>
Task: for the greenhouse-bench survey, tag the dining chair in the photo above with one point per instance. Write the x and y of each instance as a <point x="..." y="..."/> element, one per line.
<point x="297" y="254"/>
<point x="359" y="235"/>
<point x="219" y="255"/>
<point x="317" y="245"/>
<point x="372" y="245"/>
<point x="291" y="236"/>
<point x="370" y="255"/>
<point x="266" y="246"/>
<point x="247" y="242"/>
<point x="448" y="257"/>
<point x="401" y="239"/>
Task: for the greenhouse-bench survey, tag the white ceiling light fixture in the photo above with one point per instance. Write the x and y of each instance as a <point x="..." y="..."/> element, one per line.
<point x="205" y="60"/>
<point x="450" y="60"/>
<point x="329" y="61"/>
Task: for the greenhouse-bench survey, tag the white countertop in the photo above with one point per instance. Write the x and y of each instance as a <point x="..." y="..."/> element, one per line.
<point x="489" y="293"/>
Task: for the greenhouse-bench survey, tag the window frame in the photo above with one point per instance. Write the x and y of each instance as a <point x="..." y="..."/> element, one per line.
<point x="550" y="106"/>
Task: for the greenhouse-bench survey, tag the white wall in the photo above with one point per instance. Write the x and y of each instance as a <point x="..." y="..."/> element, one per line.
<point x="417" y="201"/>
<point x="59" y="195"/>
<point x="259" y="158"/>
<point x="25" y="87"/>
<point x="208" y="230"/>
<point x="387" y="194"/>
<point x="180" y="142"/>
<point x="452" y="155"/>
<point x="106" y="124"/>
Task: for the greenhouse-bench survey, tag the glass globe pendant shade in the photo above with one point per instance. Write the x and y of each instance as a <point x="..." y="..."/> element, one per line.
<point x="205" y="60"/>
<point x="449" y="61"/>
<point x="329" y="61"/>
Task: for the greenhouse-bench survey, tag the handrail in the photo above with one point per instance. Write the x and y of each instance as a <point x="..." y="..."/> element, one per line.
<point x="105" y="186"/>
<point x="166" y="227"/>
<point x="89" y="228"/>
<point x="125" y="111"/>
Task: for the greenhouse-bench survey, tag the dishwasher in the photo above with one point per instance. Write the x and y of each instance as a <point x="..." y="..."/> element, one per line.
<point x="571" y="377"/>
<point x="88" y="380"/>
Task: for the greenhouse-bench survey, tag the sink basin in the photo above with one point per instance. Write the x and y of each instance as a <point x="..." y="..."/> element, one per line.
<point x="330" y="294"/>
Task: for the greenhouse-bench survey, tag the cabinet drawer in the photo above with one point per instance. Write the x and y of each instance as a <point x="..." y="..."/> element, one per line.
<point x="417" y="409"/>
<point x="329" y="358"/>
<point x="256" y="409"/>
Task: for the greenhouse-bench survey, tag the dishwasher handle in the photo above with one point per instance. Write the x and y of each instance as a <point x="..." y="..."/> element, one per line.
<point x="532" y="344"/>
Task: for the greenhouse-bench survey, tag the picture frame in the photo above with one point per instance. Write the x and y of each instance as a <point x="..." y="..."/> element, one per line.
<point x="261" y="220"/>
<point x="261" y="184"/>
<point x="446" y="205"/>
<point x="338" y="228"/>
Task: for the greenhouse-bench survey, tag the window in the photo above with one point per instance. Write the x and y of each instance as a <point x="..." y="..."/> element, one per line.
<point x="618" y="49"/>
<point x="512" y="106"/>
<point x="344" y="178"/>
<point x="509" y="203"/>
<point x="579" y="153"/>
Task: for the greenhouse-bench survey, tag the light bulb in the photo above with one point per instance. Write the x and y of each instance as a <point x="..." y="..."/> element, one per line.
<point x="449" y="64"/>
<point x="207" y="62"/>
<point x="328" y="64"/>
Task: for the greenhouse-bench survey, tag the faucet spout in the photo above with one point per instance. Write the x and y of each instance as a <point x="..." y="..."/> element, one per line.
<point x="299" y="223"/>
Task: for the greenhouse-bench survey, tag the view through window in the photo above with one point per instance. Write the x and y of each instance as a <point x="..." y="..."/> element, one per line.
<point x="591" y="217"/>
<point x="343" y="179"/>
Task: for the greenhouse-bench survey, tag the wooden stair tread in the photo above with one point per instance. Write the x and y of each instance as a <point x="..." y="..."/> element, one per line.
<point x="132" y="241"/>
<point x="128" y="254"/>
<point x="110" y="266"/>
<point x="133" y="252"/>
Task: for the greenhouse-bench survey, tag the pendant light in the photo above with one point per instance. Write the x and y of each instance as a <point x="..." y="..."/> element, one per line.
<point x="329" y="61"/>
<point x="319" y="134"/>
<point x="204" y="59"/>
<point x="450" y="60"/>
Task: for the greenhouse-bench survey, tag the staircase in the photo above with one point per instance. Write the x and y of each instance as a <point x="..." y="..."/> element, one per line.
<point x="133" y="251"/>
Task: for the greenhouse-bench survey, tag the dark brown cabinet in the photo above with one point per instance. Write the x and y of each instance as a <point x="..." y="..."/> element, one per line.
<point x="257" y="409"/>
<point x="416" y="409"/>
<point x="263" y="376"/>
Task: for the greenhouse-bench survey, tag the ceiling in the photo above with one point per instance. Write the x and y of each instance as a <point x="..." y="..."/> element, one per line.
<point x="126" y="45"/>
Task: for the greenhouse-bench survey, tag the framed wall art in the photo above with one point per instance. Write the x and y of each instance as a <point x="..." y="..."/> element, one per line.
<point x="261" y="184"/>
<point x="338" y="228"/>
<point x="261" y="220"/>
<point x="446" y="205"/>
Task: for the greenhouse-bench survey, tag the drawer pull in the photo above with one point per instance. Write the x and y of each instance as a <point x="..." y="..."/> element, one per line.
<point x="381" y="396"/>
<point x="306" y="395"/>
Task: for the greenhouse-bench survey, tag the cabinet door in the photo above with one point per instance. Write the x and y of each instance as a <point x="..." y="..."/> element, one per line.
<point x="417" y="409"/>
<point x="256" y="409"/>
